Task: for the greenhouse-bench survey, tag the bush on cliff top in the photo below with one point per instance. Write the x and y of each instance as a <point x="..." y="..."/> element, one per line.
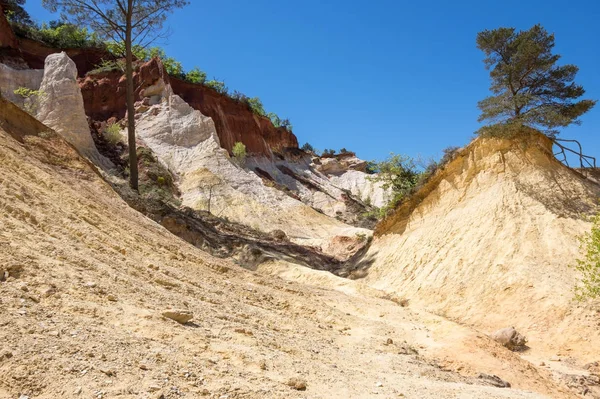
<point x="58" y="34"/>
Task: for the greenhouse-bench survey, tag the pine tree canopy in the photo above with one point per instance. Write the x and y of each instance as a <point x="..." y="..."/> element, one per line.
<point x="528" y="88"/>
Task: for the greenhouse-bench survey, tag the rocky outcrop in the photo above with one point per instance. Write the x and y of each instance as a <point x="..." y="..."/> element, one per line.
<point x="186" y="141"/>
<point x="234" y="121"/>
<point x="489" y="241"/>
<point x="61" y="106"/>
<point x="104" y="97"/>
<point x="57" y="101"/>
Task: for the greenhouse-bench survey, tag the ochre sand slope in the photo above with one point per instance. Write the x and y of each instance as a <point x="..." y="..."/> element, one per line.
<point x="490" y="242"/>
<point x="88" y="279"/>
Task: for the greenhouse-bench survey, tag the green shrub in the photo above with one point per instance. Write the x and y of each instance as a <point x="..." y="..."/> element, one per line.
<point x="217" y="85"/>
<point x="239" y="152"/>
<point x="196" y="76"/>
<point x="112" y="133"/>
<point x="59" y="34"/>
<point x="239" y="97"/>
<point x="30" y="99"/>
<point x="256" y="106"/>
<point x="589" y="265"/>
<point x="307" y="147"/>
<point x="108" y="66"/>
<point x="400" y="174"/>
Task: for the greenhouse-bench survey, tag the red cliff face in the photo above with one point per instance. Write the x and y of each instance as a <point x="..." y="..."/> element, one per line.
<point x="234" y="121"/>
<point x="7" y="37"/>
<point x="104" y="97"/>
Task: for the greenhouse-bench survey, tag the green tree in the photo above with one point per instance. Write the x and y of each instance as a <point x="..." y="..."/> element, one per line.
<point x="132" y="22"/>
<point x="196" y="76"/>
<point x="589" y="265"/>
<point x="14" y="11"/>
<point x="398" y="173"/>
<point x="528" y="88"/>
<point x="307" y="147"/>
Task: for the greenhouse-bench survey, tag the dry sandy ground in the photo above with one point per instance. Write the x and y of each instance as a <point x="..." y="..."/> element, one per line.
<point x="88" y="279"/>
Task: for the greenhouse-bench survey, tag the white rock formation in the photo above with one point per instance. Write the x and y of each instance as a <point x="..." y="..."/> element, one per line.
<point x="61" y="106"/>
<point x="187" y="143"/>
<point x="322" y="182"/>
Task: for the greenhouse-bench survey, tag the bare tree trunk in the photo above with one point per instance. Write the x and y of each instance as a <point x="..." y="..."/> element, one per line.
<point x="133" y="166"/>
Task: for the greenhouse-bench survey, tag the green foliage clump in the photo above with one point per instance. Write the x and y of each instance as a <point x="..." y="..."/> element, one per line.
<point x="30" y="99"/>
<point x="256" y="106"/>
<point x="278" y="122"/>
<point x="239" y="152"/>
<point x="112" y="133"/>
<point x="307" y="147"/>
<point x="589" y="265"/>
<point x="196" y="76"/>
<point x="108" y="66"/>
<point x="328" y="152"/>
<point x="15" y="13"/>
<point x="528" y="88"/>
<point x="59" y="35"/>
<point x="217" y="85"/>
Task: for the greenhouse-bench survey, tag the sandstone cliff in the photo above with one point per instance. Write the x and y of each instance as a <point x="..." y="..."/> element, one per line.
<point x="104" y="96"/>
<point x="58" y="102"/>
<point x="489" y="241"/>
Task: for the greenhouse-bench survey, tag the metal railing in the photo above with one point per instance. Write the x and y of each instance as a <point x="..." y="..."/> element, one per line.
<point x="583" y="159"/>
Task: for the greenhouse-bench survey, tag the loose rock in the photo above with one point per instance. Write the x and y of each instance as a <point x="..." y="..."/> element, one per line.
<point x="297" y="384"/>
<point x="180" y="316"/>
<point x="509" y="338"/>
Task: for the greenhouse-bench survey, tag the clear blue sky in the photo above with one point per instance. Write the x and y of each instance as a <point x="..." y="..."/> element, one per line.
<point x="375" y="76"/>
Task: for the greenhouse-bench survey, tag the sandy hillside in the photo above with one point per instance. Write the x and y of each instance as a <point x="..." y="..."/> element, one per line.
<point x="489" y="242"/>
<point x="85" y="280"/>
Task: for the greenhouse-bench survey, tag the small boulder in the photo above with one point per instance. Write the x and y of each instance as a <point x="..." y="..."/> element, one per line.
<point x="493" y="380"/>
<point x="278" y="235"/>
<point x="180" y="316"/>
<point x="297" y="383"/>
<point x="509" y="338"/>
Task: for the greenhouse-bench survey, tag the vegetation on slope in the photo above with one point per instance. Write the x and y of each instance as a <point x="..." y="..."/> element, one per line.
<point x="59" y="34"/>
<point x="589" y="265"/>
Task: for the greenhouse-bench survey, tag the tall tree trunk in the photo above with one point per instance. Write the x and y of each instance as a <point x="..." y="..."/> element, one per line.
<point x="133" y="165"/>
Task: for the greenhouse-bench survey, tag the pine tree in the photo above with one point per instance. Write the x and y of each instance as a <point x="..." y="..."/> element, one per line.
<point x="131" y="22"/>
<point x="528" y="88"/>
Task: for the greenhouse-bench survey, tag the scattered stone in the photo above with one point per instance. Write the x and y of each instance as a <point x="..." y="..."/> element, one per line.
<point x="111" y="298"/>
<point x="77" y="390"/>
<point x="542" y="364"/>
<point x="5" y="354"/>
<point x="180" y="316"/>
<point x="493" y="380"/>
<point x="389" y="341"/>
<point x="278" y="235"/>
<point x="555" y="359"/>
<point x="262" y="364"/>
<point x="153" y="388"/>
<point x="297" y="384"/>
<point x="108" y="372"/>
<point x="509" y="338"/>
<point x="143" y="366"/>
<point x="378" y="384"/>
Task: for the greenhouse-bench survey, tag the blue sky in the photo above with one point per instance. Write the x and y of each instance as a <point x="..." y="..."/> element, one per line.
<point x="375" y="76"/>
